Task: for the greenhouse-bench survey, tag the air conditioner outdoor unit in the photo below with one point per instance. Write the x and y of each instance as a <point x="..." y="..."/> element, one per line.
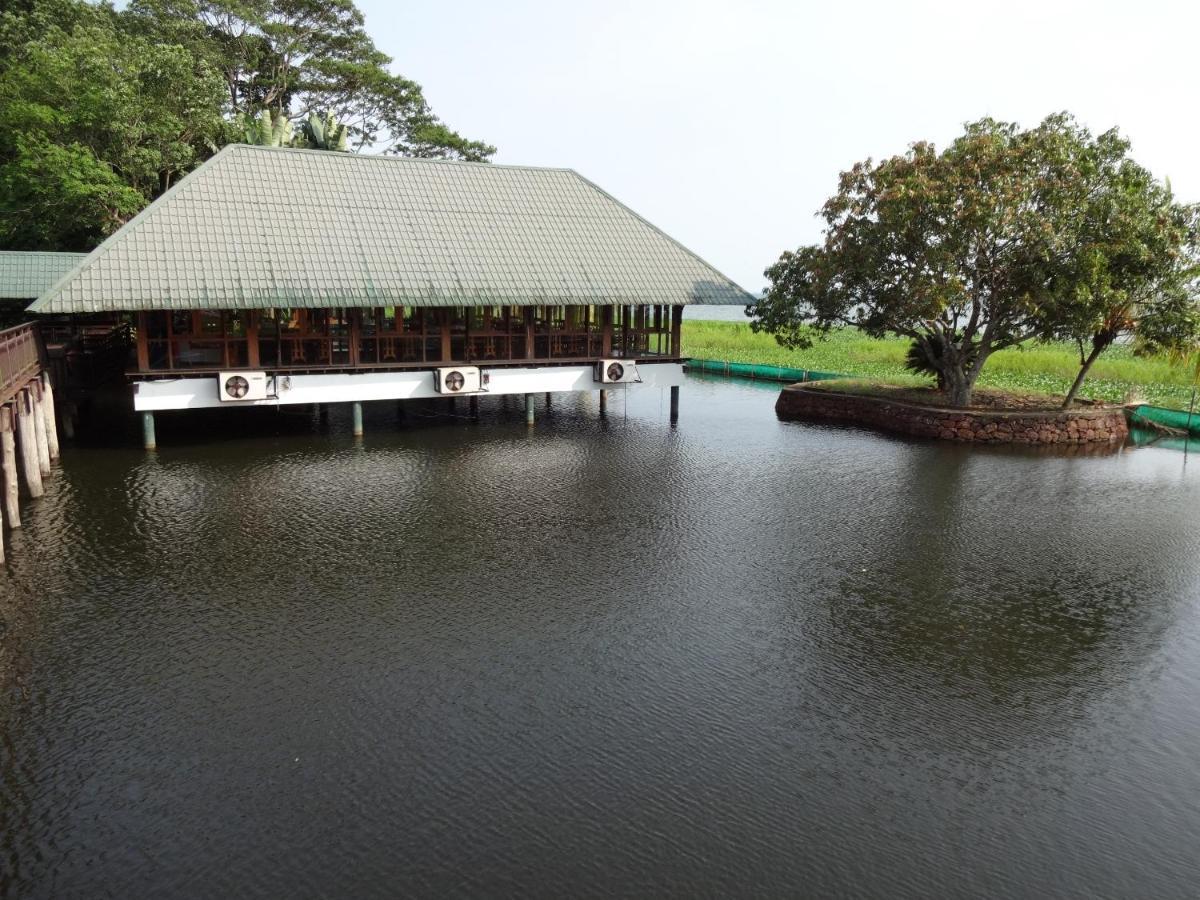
<point x="457" y="380"/>
<point x="232" y="386"/>
<point x="617" y="371"/>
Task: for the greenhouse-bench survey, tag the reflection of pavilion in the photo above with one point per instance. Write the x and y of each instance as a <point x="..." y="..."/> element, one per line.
<point x="316" y="277"/>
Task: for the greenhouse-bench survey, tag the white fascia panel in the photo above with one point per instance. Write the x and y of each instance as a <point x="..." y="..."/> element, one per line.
<point x="201" y="392"/>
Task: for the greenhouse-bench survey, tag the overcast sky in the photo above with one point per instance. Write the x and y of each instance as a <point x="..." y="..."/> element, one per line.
<point x="726" y="123"/>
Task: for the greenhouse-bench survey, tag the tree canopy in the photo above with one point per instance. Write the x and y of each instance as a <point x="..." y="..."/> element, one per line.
<point x="1004" y="236"/>
<point x="103" y="109"/>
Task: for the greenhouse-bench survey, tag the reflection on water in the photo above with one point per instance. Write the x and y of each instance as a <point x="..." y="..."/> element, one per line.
<point x="601" y="656"/>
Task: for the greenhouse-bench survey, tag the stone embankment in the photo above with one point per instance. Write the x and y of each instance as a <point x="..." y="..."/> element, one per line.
<point x="1084" y="425"/>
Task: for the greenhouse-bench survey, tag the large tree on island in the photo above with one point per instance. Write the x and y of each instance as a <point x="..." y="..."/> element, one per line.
<point x="1127" y="264"/>
<point x="967" y="251"/>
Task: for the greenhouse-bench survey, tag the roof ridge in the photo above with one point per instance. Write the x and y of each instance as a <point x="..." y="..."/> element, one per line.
<point x="43" y="252"/>
<point x="381" y="157"/>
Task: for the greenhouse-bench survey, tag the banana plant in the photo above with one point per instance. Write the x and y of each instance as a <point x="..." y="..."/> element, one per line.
<point x="268" y="129"/>
<point x="322" y="133"/>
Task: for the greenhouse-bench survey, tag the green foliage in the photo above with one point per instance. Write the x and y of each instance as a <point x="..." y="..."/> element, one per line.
<point x="103" y="109"/>
<point x="267" y="129"/>
<point x="94" y="122"/>
<point x="1126" y="254"/>
<point x="299" y="57"/>
<point x="322" y="133"/>
<point x="995" y="240"/>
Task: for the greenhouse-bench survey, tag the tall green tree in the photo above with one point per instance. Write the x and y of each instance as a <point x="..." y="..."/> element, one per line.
<point x="95" y="120"/>
<point x="103" y="109"/>
<point x="1127" y="257"/>
<point x="995" y="240"/>
<point x="302" y="57"/>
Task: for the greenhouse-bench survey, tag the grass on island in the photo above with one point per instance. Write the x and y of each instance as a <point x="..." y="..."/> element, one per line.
<point x="928" y="395"/>
<point x="1034" y="369"/>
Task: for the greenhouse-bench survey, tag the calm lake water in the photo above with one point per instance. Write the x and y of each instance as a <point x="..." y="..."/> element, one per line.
<point x="737" y="657"/>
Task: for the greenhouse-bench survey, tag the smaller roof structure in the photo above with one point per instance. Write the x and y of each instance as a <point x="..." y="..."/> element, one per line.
<point x="25" y="275"/>
<point x="261" y="227"/>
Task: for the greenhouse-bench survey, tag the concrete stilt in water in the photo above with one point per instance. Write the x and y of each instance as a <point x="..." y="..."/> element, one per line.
<point x="8" y="467"/>
<point x="356" y="413"/>
<point x="547" y="399"/>
<point x="604" y="403"/>
<point x="51" y="419"/>
<point x="28" y="446"/>
<point x="474" y="404"/>
<point x="529" y="409"/>
<point x="39" y="430"/>
<point x="675" y="403"/>
<point x="148" y="439"/>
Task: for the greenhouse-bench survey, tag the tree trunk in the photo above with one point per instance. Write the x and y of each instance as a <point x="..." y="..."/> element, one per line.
<point x="959" y="391"/>
<point x="957" y="375"/>
<point x="1097" y="349"/>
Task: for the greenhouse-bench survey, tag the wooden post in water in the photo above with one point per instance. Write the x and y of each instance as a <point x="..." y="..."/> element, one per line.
<point x="603" y="402"/>
<point x="675" y="403"/>
<point x="68" y="420"/>
<point x="474" y="405"/>
<point x="51" y="419"/>
<point x="149" y="441"/>
<point x="39" y="430"/>
<point x="8" y="468"/>
<point x="28" y="441"/>
<point x="529" y="410"/>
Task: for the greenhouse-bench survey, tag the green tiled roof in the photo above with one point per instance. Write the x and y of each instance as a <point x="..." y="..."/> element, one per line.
<point x="25" y="275"/>
<point x="261" y="227"/>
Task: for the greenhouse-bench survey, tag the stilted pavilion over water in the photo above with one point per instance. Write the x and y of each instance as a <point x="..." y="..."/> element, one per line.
<point x="276" y="276"/>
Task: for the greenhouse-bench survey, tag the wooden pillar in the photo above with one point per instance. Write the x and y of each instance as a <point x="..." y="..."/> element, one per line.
<point x="8" y="468"/>
<point x="529" y="410"/>
<point x="149" y="439"/>
<point x="356" y="415"/>
<point x="675" y="403"/>
<point x="355" y="317"/>
<point x="39" y="429"/>
<point x="143" y="343"/>
<point x="606" y="336"/>
<point x="252" y="358"/>
<point x="445" y="335"/>
<point x="51" y="419"/>
<point x="677" y="330"/>
<point x="28" y="445"/>
<point x="530" y="345"/>
<point x="603" y="403"/>
<point x="474" y="404"/>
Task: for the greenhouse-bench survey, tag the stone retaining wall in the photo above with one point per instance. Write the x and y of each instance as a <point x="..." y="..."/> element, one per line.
<point x="1095" y="425"/>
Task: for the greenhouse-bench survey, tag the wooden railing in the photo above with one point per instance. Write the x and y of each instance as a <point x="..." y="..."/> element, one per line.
<point x="20" y="359"/>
